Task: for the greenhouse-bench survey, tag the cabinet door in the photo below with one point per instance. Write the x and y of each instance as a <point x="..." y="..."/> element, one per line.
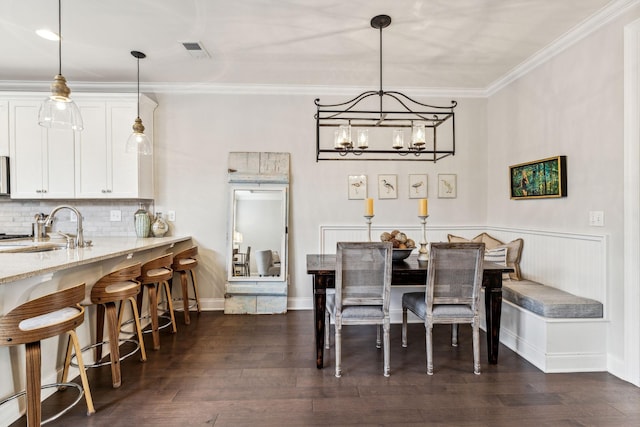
<point x="124" y="166"/>
<point x="92" y="153"/>
<point x="26" y="149"/>
<point x="4" y="128"/>
<point x="58" y="164"/>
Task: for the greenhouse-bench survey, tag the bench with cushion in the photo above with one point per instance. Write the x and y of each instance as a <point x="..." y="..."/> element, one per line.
<point x="555" y="330"/>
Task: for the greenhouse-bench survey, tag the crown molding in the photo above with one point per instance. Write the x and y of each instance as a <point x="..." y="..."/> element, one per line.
<point x="577" y="33"/>
<point x="234" y="89"/>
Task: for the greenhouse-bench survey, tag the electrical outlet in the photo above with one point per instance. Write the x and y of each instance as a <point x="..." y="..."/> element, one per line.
<point x="596" y="218"/>
<point x="115" y="215"/>
<point x="171" y="216"/>
<point x="73" y="217"/>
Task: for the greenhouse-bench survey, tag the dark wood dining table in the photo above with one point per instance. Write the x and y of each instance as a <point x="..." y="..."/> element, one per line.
<point x="409" y="272"/>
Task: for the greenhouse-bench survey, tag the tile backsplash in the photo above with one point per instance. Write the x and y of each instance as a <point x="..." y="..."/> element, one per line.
<point x="17" y="216"/>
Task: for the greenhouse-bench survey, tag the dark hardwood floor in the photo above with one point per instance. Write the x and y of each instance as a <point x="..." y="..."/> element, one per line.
<point x="230" y="370"/>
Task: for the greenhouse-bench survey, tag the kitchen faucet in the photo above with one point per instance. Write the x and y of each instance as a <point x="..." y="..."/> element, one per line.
<point x="80" y="243"/>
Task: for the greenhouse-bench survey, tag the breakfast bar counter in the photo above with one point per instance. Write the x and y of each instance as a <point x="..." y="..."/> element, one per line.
<point x="18" y="266"/>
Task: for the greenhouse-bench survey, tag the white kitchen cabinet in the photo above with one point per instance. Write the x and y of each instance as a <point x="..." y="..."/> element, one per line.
<point x="42" y="160"/>
<point x="103" y="168"/>
<point x="4" y="128"/>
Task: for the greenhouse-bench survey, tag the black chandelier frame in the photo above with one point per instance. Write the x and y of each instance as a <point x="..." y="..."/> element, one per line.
<point x="407" y="113"/>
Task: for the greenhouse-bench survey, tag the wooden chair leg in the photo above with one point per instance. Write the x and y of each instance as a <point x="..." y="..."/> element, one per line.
<point x="153" y="312"/>
<point x="167" y="291"/>
<point x="185" y="296"/>
<point x="67" y="361"/>
<point x="404" y="326"/>
<point x="100" y="313"/>
<point x="387" y="365"/>
<point x="338" y="345"/>
<point x="136" y="319"/>
<point x="33" y="365"/>
<point x="83" y="373"/>
<point x="454" y="335"/>
<point x="195" y="290"/>
<point x="428" y="331"/>
<point x="114" y="343"/>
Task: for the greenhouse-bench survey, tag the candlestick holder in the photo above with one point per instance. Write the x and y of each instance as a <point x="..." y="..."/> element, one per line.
<point x="423" y="252"/>
<point x="368" y="220"/>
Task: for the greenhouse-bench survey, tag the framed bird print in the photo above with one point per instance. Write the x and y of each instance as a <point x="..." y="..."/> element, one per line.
<point x="447" y="186"/>
<point x="357" y="187"/>
<point x="387" y="186"/>
<point x="418" y="186"/>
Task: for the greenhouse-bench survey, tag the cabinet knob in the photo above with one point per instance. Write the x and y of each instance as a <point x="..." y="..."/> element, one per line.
<point x="44" y="191"/>
<point x="38" y="191"/>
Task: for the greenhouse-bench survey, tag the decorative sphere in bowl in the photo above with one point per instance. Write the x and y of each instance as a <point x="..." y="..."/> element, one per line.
<point x="401" y="254"/>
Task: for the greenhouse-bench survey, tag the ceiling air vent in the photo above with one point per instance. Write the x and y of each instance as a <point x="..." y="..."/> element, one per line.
<point x="195" y="49"/>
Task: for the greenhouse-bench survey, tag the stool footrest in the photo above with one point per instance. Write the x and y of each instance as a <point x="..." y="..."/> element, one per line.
<point x="78" y="387"/>
<point x="99" y="364"/>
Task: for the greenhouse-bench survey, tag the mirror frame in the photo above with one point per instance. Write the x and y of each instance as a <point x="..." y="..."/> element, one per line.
<point x="283" y="249"/>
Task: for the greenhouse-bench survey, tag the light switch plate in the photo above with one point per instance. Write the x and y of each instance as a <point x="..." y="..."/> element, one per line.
<point x="596" y="218"/>
<point x="115" y="215"/>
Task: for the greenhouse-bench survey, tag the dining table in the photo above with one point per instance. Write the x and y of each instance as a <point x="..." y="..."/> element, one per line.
<point x="408" y="272"/>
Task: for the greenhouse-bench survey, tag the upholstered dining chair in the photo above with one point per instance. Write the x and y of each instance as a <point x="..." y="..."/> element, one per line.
<point x="265" y="264"/>
<point x="362" y="292"/>
<point x="452" y="295"/>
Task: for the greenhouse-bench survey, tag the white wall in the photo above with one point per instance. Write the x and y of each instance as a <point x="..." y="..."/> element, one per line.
<point x="571" y="105"/>
<point x="195" y="133"/>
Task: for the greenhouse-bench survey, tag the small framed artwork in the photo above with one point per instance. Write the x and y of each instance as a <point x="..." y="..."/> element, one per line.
<point x="418" y="186"/>
<point x="387" y="186"/>
<point x="357" y="187"/>
<point x="447" y="186"/>
<point x="540" y="179"/>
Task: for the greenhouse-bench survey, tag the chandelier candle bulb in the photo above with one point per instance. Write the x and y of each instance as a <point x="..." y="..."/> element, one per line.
<point x="363" y="138"/>
<point x="398" y="139"/>
<point x="368" y="207"/>
<point x="422" y="207"/>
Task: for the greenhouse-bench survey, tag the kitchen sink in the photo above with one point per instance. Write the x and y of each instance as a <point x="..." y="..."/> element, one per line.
<point x="34" y="247"/>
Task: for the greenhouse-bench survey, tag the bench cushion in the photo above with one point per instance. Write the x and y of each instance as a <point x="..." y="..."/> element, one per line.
<point x="550" y="302"/>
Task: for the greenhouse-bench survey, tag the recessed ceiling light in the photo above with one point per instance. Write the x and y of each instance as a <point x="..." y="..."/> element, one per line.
<point x="47" y="34"/>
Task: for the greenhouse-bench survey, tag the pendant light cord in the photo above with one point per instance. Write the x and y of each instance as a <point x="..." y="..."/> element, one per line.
<point x="138" y="61"/>
<point x="381" y="71"/>
<point x="60" y="37"/>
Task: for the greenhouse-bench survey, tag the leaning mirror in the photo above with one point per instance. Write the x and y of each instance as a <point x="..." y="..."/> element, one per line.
<point x="258" y="233"/>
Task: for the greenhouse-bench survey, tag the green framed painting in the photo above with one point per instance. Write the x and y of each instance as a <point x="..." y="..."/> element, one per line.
<point x="540" y="179"/>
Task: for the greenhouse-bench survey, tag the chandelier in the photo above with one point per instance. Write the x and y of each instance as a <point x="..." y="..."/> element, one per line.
<point x="413" y="130"/>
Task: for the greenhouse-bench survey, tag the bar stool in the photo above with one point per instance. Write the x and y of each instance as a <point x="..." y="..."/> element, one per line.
<point x="108" y="294"/>
<point x="184" y="262"/>
<point x="33" y="321"/>
<point x="155" y="276"/>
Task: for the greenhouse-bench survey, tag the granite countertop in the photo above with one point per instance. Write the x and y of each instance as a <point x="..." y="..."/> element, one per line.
<point x="17" y="266"/>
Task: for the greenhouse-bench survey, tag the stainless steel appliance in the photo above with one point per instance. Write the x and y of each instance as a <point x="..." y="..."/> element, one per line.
<point x="4" y="176"/>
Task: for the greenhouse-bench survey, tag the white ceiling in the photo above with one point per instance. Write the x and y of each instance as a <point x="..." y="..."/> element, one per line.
<point x="463" y="44"/>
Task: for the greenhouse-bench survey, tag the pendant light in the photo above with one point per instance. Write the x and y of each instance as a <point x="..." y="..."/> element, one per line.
<point x="138" y="141"/>
<point x="58" y="110"/>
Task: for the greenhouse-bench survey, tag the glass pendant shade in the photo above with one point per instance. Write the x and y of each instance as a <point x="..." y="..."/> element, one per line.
<point x="58" y="110"/>
<point x="138" y="142"/>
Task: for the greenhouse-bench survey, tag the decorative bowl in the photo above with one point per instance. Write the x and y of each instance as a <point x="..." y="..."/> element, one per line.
<point x="401" y="254"/>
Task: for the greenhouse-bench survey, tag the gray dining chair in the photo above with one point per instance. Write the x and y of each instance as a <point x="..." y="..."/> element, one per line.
<point x="265" y="264"/>
<point x="362" y="292"/>
<point x="452" y="295"/>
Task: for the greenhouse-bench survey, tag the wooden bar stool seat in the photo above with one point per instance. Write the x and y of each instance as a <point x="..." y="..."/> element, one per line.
<point x="108" y="294"/>
<point x="184" y="264"/>
<point x="45" y="317"/>
<point x="155" y="276"/>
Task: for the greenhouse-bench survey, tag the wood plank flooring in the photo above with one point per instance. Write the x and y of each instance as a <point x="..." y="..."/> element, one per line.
<point x="233" y="370"/>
